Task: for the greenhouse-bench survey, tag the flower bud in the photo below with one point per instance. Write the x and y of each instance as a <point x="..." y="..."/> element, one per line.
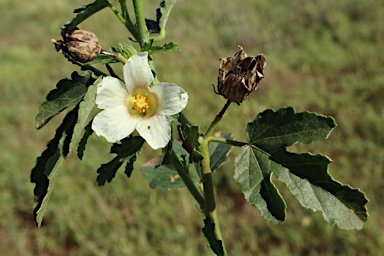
<point x="81" y="45"/>
<point x="240" y="75"/>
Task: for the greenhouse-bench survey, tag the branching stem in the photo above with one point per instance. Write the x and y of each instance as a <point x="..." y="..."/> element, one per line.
<point x="125" y="19"/>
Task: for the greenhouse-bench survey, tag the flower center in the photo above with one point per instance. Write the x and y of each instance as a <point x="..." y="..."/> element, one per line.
<point x="142" y="103"/>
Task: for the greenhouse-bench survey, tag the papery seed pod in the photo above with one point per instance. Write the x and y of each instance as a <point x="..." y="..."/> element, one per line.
<point x="81" y="45"/>
<point x="240" y="75"/>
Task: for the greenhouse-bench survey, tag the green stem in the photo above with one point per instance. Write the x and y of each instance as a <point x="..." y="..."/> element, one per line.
<point x="140" y="22"/>
<point x="216" y="120"/>
<point x="187" y="180"/>
<point x="125" y="19"/>
<point x="160" y="37"/>
<point x="124" y="9"/>
<point x="226" y="141"/>
<point x="120" y="58"/>
<point x="209" y="192"/>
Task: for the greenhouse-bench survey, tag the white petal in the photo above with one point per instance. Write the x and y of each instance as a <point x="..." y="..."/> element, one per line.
<point x="111" y="92"/>
<point x="155" y="130"/>
<point x="137" y="71"/>
<point x="114" y="124"/>
<point x="172" y="98"/>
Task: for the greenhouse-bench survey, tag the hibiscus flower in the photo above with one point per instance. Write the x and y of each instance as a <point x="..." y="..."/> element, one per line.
<point x="134" y="105"/>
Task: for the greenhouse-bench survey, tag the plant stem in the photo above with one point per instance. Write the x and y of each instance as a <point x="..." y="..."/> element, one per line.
<point x="140" y="22"/>
<point x="209" y="192"/>
<point x="216" y="120"/>
<point x="226" y="141"/>
<point x="125" y="19"/>
<point x="124" y="9"/>
<point x="120" y="58"/>
<point x="187" y="180"/>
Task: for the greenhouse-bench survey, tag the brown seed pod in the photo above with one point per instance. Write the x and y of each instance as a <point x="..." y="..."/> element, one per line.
<point x="240" y="75"/>
<point x="81" y="45"/>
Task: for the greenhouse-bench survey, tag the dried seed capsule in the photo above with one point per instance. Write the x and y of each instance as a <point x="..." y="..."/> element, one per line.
<point x="240" y="75"/>
<point x="81" y="45"/>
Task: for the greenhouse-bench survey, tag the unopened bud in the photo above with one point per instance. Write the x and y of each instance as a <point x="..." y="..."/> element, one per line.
<point x="240" y="75"/>
<point x="81" y="45"/>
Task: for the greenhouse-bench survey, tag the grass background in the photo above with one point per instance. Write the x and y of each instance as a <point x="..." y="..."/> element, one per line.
<point x="323" y="56"/>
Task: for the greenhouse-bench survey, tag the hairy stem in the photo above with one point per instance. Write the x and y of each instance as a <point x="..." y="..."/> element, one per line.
<point x="140" y="22"/>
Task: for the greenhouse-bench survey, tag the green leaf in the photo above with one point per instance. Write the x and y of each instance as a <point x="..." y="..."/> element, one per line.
<point x="126" y="152"/>
<point x="68" y="94"/>
<point x="126" y="49"/>
<point x="253" y="173"/>
<point x="67" y="135"/>
<point x="165" y="176"/>
<point x="272" y="130"/>
<point x="165" y="48"/>
<point x="65" y="149"/>
<point x="219" y="153"/>
<point x="83" y="142"/>
<point x="162" y="15"/>
<point x="84" y="12"/>
<point x="190" y="137"/>
<point x="103" y="59"/>
<point x="216" y="246"/>
<point x="305" y="175"/>
<point x="307" y="178"/>
<point x="47" y="166"/>
<point x="164" y="11"/>
<point x="85" y="109"/>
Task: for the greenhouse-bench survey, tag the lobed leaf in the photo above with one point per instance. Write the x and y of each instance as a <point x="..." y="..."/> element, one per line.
<point x="253" y="173"/>
<point x="215" y="245"/>
<point x="166" y="48"/>
<point x="126" y="151"/>
<point x="68" y="94"/>
<point x="307" y="178"/>
<point x="67" y="135"/>
<point x="272" y="130"/>
<point x="305" y="175"/>
<point x="47" y="166"/>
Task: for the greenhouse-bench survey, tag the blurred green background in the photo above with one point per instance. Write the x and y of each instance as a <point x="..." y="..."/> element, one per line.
<point x="324" y="56"/>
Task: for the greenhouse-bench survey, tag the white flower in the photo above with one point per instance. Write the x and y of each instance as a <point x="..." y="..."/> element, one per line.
<point x="135" y="105"/>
